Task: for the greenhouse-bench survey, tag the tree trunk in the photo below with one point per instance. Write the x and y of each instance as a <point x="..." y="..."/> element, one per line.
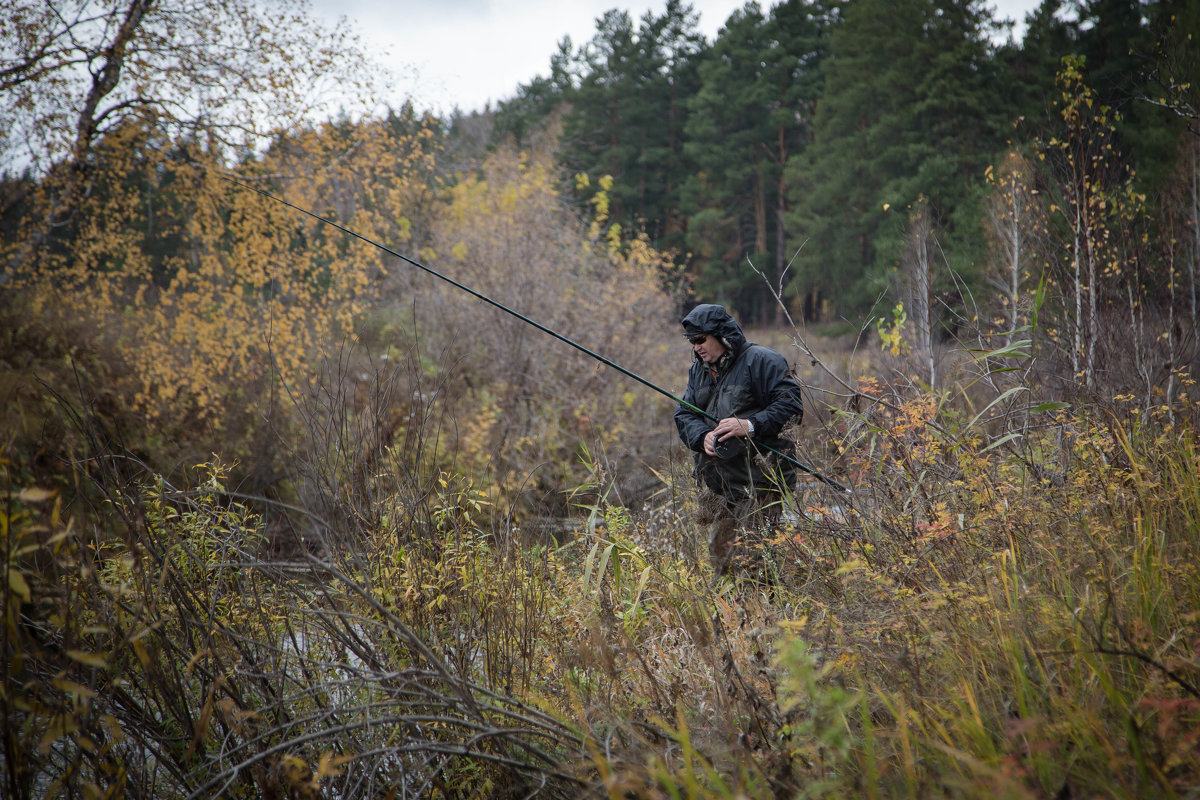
<point x="1194" y="261"/>
<point x="760" y="215"/>
<point x="1077" y="352"/>
<point x="1014" y="262"/>
<point x="920" y="286"/>
<point x="112" y="60"/>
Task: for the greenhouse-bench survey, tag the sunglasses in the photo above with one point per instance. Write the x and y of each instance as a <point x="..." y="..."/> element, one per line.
<point x="698" y="339"/>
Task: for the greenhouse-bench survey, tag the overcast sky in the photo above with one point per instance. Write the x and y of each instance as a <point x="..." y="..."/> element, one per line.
<point x="466" y="53"/>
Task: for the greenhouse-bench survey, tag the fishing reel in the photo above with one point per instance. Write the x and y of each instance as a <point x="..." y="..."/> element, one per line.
<point x="733" y="447"/>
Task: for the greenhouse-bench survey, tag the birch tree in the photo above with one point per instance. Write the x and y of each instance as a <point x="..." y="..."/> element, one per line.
<point x="1079" y="159"/>
<point x="918" y="274"/>
<point x="123" y="115"/>
<point x="228" y="73"/>
<point x="1016" y="221"/>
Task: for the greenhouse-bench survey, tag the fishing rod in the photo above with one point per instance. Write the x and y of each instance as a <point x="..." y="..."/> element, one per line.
<point x="823" y="478"/>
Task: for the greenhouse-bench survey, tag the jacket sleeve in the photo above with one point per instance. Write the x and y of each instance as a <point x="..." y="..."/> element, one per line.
<point x="691" y="426"/>
<point x="777" y="391"/>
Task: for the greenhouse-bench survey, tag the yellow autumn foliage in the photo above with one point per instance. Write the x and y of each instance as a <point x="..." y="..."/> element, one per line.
<point x="509" y="234"/>
<point x="250" y="288"/>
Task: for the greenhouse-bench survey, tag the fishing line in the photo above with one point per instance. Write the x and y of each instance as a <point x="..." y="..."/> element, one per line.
<point x="525" y="319"/>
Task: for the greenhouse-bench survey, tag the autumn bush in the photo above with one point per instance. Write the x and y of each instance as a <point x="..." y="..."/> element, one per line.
<point x="237" y="318"/>
<point x="1003" y="605"/>
<point x="528" y="400"/>
<point x="987" y="615"/>
<point x="200" y="301"/>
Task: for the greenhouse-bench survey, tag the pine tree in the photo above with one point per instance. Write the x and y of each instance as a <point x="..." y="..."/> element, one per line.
<point x="1026" y="85"/>
<point x="1174" y="79"/>
<point x="628" y="115"/>
<point x="534" y="102"/>
<point x="759" y="84"/>
<point x="905" y="114"/>
<point x="1117" y="45"/>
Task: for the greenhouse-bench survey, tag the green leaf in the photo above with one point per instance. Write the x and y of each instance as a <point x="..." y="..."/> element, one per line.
<point x="1014" y="390"/>
<point x="1017" y="349"/>
<point x="641" y="587"/>
<point x="588" y="563"/>
<point x="1002" y="440"/>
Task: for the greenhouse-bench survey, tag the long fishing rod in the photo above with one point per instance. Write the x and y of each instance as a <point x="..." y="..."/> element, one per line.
<point x="824" y="479"/>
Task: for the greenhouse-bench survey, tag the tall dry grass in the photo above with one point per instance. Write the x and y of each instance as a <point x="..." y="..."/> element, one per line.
<point x="984" y="615"/>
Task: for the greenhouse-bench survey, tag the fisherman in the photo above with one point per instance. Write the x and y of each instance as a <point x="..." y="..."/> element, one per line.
<point x="750" y="390"/>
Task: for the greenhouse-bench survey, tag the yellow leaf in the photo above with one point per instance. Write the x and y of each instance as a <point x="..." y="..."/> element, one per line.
<point x="59" y="726"/>
<point x="142" y="653"/>
<point x="90" y="659"/>
<point x="191" y="665"/>
<point x="32" y="495"/>
<point x="73" y="688"/>
<point x="17" y="584"/>
<point x="330" y="765"/>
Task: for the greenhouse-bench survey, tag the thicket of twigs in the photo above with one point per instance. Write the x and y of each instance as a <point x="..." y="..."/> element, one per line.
<point x="1005" y="604"/>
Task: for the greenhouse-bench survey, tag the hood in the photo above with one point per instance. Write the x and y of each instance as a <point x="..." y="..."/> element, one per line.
<point x="708" y="318"/>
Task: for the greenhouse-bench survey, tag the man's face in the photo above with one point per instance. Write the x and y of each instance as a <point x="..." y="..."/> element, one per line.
<point x="708" y="348"/>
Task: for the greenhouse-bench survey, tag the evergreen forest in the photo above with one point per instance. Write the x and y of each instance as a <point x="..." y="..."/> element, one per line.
<point x="336" y="444"/>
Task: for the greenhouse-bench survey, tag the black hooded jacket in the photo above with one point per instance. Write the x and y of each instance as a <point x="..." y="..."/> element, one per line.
<point x="751" y="382"/>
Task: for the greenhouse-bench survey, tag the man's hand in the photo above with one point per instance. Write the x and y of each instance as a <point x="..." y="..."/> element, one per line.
<point x="726" y="428"/>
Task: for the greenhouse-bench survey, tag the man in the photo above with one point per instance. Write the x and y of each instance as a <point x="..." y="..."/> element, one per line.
<point x="750" y="391"/>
